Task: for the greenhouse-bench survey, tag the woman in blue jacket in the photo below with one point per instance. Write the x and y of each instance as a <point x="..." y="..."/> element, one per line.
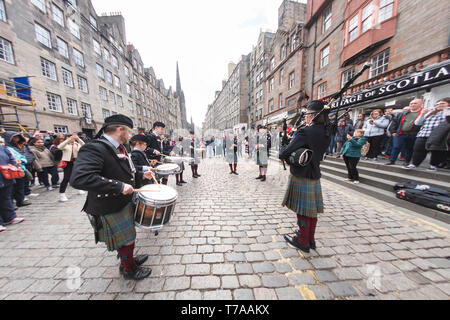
<point x="7" y="213"/>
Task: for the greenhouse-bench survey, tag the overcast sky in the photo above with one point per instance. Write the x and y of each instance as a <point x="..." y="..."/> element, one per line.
<point x="202" y="35"/>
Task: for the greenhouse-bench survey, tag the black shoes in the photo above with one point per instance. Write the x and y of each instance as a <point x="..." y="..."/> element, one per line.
<point x="179" y="184"/>
<point x="137" y="273"/>
<point x="234" y="172"/>
<point x="263" y="179"/>
<point x="195" y="176"/>
<point x="24" y="204"/>
<point x="390" y="163"/>
<point x="312" y="245"/>
<point x="294" y="242"/>
<point x="183" y="182"/>
<point x="139" y="261"/>
<point x="259" y="178"/>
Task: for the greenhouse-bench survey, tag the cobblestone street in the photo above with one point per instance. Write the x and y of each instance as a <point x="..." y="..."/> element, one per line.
<point x="226" y="242"/>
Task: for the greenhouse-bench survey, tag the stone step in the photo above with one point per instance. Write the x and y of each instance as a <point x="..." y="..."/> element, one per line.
<point x="381" y="177"/>
<point x="388" y="196"/>
<point x="441" y="175"/>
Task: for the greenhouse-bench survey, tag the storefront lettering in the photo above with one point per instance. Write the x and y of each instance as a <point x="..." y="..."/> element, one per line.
<point x="417" y="79"/>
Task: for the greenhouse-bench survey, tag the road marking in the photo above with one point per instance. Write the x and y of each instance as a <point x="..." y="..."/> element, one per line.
<point x="306" y="292"/>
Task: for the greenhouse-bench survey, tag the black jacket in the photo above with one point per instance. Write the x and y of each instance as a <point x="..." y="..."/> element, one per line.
<point x="100" y="171"/>
<point x="439" y="139"/>
<point x="140" y="160"/>
<point x="154" y="143"/>
<point x="313" y="138"/>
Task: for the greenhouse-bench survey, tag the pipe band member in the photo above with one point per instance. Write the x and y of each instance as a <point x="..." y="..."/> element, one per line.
<point x="193" y="145"/>
<point x="262" y="149"/>
<point x="155" y="147"/>
<point x="105" y="169"/>
<point x="304" y="191"/>
<point x="232" y="152"/>
<point x="178" y="150"/>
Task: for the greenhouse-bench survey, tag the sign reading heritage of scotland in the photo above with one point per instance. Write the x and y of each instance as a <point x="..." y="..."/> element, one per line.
<point x="436" y="73"/>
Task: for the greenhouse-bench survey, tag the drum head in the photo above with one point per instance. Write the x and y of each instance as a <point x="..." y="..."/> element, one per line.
<point x="164" y="194"/>
<point x="167" y="167"/>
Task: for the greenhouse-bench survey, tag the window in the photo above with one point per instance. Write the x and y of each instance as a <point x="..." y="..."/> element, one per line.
<point x="112" y="97"/>
<point x="280" y="101"/>
<point x="367" y="17"/>
<point x="115" y="62"/>
<point x="103" y="94"/>
<point x="43" y="35"/>
<point x="117" y="82"/>
<point x="58" y="14"/>
<point x="109" y="77"/>
<point x="2" y="10"/>
<point x="78" y="58"/>
<point x="324" y="56"/>
<point x="379" y="63"/>
<point x="326" y="24"/>
<point x="353" y="28"/>
<point x="60" y="129"/>
<point x="291" y="80"/>
<point x="63" y="49"/>
<point x="283" y="52"/>
<point x="86" y="110"/>
<point x="130" y="105"/>
<point x="127" y="71"/>
<point x="347" y="75"/>
<point x="119" y="101"/>
<point x="106" y="113"/>
<point x="40" y="4"/>
<point x="322" y="90"/>
<point x="106" y="54"/>
<point x="67" y="77"/>
<point x="281" y="75"/>
<point x="97" y="49"/>
<point x="74" y="28"/>
<point x="386" y="10"/>
<point x="271" y="85"/>
<point x="271" y="105"/>
<point x="72" y="107"/>
<point x="54" y="102"/>
<point x="93" y="21"/>
<point x="293" y="45"/>
<point x="128" y="89"/>
<point x="6" y="53"/>
<point x="272" y="63"/>
<point x="48" y="69"/>
<point x="82" y="84"/>
<point x="100" y="71"/>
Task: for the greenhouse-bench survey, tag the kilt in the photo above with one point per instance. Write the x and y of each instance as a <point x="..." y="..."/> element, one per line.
<point x="118" y="228"/>
<point x="304" y="197"/>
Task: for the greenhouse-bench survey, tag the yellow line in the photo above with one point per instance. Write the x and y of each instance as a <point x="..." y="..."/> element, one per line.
<point x="307" y="293"/>
<point x="314" y="276"/>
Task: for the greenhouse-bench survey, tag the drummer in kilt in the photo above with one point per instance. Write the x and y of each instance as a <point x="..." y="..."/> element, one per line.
<point x="304" y="191"/>
<point x="178" y="151"/>
<point x="138" y="145"/>
<point x="193" y="144"/>
<point x="105" y="170"/>
<point x="155" y="146"/>
<point x="232" y="152"/>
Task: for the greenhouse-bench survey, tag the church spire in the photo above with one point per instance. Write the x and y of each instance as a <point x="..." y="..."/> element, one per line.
<point x="178" y="81"/>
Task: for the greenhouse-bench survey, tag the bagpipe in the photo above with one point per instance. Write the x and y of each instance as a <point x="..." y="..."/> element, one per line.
<point x="303" y="156"/>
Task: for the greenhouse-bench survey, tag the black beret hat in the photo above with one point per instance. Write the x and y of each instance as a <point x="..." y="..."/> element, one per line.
<point x="261" y="127"/>
<point x="191" y="132"/>
<point x="115" y="120"/>
<point x="316" y="106"/>
<point x="140" y="138"/>
<point x="159" y="124"/>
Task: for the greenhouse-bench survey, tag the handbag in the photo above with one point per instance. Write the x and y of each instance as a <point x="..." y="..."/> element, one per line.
<point x="11" y="172"/>
<point x="365" y="149"/>
<point x="62" y="164"/>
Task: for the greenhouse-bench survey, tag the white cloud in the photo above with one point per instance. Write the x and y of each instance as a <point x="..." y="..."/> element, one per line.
<point x="202" y="35"/>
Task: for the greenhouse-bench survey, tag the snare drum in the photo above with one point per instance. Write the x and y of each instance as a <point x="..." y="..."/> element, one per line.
<point x="154" y="209"/>
<point x="167" y="169"/>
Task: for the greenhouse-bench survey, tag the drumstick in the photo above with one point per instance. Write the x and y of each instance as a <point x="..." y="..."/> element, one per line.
<point x="156" y="181"/>
<point x="140" y="191"/>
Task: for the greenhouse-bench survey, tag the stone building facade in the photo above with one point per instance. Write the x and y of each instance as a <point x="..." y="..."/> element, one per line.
<point x="80" y="68"/>
<point x="398" y="37"/>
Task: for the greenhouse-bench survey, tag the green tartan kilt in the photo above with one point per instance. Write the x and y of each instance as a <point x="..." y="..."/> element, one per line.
<point x="304" y="197"/>
<point x="118" y="228"/>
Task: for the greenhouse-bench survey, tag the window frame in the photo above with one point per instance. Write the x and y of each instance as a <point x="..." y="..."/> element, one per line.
<point x="344" y="76"/>
<point x="63" y="51"/>
<point x="60" y="110"/>
<point x="51" y="70"/>
<point x="73" y="106"/>
<point x="60" y="19"/>
<point x="85" y="82"/>
<point x="376" y="67"/>
<point x="56" y="129"/>
<point x="390" y="3"/>
<point x="76" y="59"/>
<point x="320" y="92"/>
<point x="40" y="4"/>
<point x="3" y="15"/>
<point x="38" y="35"/>
<point x="66" y="73"/>
<point x="6" y="52"/>
<point x="368" y="18"/>
<point x="355" y="30"/>
<point x="324" y="58"/>
<point x="291" y="80"/>
<point x="326" y="18"/>
<point x="84" y="108"/>
<point x="102" y="76"/>
<point x="76" y="32"/>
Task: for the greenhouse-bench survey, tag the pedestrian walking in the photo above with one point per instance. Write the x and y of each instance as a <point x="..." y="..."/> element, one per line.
<point x="105" y="170"/>
<point x="351" y="152"/>
<point x="261" y="150"/>
<point x="44" y="164"/>
<point x="70" y="148"/>
<point x="304" y="192"/>
<point x="428" y="120"/>
<point x="7" y="214"/>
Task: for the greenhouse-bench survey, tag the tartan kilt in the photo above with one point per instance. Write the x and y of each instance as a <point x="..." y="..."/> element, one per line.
<point x="304" y="197"/>
<point x="118" y="228"/>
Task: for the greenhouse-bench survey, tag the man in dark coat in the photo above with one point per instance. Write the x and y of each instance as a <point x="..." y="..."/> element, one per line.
<point x="155" y="147"/>
<point x="105" y="170"/>
<point x="304" y="193"/>
<point x="138" y="145"/>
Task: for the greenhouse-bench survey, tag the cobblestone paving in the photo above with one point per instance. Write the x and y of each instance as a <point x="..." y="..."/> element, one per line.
<point x="226" y="242"/>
